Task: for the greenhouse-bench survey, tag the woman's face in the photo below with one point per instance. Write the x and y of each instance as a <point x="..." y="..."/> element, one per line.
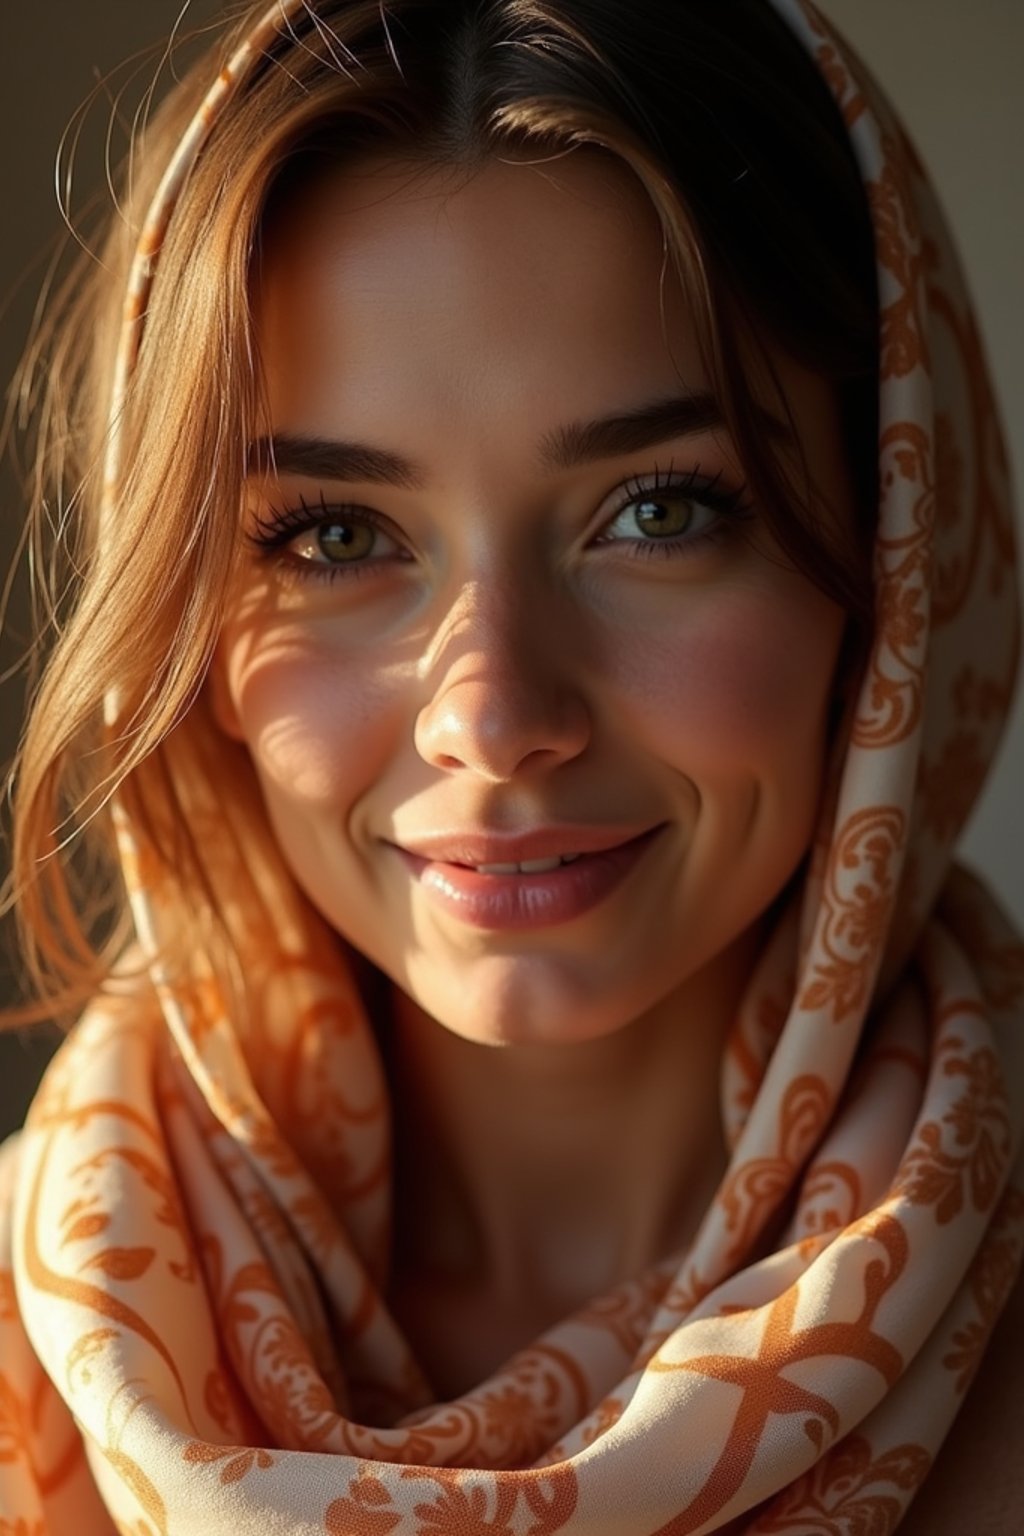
<point x="509" y="605"/>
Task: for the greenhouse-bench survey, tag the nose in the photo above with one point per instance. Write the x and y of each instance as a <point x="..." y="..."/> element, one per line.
<point x="502" y="701"/>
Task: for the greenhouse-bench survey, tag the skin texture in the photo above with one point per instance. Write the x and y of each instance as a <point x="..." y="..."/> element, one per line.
<point x="505" y="661"/>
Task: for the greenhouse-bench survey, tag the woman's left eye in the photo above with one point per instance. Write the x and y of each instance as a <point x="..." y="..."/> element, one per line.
<point x="670" y="517"/>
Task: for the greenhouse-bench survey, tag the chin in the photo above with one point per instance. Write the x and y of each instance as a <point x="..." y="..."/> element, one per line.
<point x="505" y="1002"/>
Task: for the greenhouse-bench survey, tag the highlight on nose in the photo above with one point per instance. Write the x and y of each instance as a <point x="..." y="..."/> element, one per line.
<point x="499" y="730"/>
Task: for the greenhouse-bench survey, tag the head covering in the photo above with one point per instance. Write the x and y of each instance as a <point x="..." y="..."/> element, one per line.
<point x="195" y="1227"/>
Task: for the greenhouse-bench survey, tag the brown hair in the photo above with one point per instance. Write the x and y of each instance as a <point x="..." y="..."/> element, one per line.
<point x="734" y="135"/>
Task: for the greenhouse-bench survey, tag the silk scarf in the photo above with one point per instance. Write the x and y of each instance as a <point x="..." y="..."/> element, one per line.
<point x="194" y="1228"/>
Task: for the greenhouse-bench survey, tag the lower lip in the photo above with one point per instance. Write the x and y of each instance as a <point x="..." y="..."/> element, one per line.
<point x="527" y="901"/>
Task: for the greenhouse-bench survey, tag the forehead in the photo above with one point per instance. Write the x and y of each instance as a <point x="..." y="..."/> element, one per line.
<point x="509" y="285"/>
<point x="510" y="217"/>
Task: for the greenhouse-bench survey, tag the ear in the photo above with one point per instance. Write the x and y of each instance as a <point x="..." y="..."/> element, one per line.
<point x="222" y="701"/>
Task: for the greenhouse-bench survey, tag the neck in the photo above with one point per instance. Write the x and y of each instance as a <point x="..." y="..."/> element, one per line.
<point x="545" y="1175"/>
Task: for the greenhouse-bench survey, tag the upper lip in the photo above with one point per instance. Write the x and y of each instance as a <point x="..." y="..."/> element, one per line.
<point x="476" y="847"/>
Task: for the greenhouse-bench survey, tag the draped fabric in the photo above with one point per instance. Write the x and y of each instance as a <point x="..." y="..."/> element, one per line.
<point x="195" y="1225"/>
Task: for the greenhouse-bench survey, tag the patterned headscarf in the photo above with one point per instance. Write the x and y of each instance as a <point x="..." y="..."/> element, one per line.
<point x="194" y="1229"/>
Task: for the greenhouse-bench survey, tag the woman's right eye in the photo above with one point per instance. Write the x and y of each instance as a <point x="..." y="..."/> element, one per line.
<point x="343" y="541"/>
<point x="328" y="541"/>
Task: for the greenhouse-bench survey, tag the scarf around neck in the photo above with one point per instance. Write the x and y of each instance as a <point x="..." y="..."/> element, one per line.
<point x="195" y="1228"/>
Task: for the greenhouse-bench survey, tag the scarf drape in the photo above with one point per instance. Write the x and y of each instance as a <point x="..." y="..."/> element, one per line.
<point x="194" y="1227"/>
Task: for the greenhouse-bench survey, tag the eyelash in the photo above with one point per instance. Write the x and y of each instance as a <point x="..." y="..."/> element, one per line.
<point x="284" y="524"/>
<point x="277" y="529"/>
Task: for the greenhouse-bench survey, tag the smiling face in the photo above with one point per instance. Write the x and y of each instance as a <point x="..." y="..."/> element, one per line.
<point x="466" y="614"/>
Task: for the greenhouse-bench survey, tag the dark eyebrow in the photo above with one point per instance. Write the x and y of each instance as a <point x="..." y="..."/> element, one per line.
<point x="320" y="458"/>
<point x="613" y="436"/>
<point x="578" y="443"/>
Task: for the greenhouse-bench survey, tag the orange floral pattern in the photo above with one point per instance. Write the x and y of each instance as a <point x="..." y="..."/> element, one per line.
<point x="850" y="1492"/>
<point x="195" y="1222"/>
<point x="964" y="1156"/>
<point x="856" y="908"/>
<point x="992" y="1277"/>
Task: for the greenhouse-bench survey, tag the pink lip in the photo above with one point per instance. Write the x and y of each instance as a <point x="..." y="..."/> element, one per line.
<point x="526" y="901"/>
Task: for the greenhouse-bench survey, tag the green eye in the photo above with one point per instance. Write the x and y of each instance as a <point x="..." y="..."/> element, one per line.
<point x="345" y="542"/>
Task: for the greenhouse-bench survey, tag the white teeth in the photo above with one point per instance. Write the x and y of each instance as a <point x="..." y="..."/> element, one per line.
<point x="527" y="867"/>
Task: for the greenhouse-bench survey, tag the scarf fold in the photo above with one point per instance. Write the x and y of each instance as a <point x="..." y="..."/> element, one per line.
<point x="195" y="1223"/>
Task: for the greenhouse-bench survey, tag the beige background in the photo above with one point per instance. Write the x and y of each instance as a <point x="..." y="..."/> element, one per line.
<point x="954" y="69"/>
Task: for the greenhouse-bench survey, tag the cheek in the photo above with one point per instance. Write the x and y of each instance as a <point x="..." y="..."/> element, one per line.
<point x="743" y="684"/>
<point x="315" y="728"/>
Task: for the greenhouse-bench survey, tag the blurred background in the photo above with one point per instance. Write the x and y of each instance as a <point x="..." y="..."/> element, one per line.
<point x="953" y="69"/>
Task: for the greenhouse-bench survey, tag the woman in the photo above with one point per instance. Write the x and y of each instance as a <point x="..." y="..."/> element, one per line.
<point x="533" y="578"/>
